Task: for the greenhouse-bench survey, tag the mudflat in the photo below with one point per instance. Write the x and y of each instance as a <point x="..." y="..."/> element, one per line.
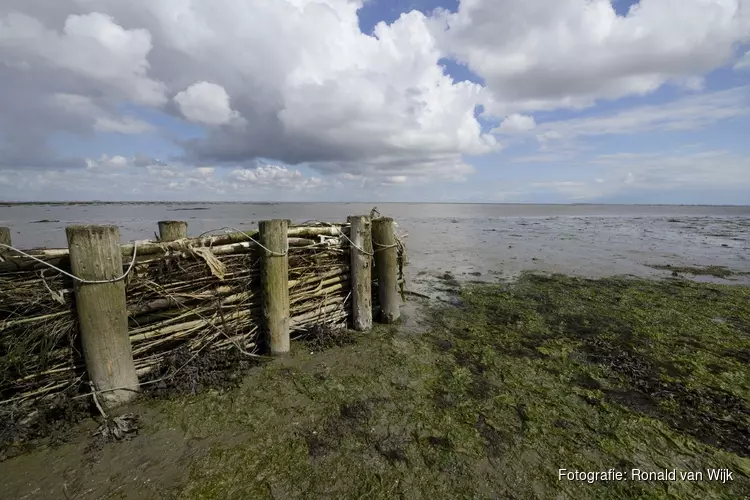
<point x="487" y="397"/>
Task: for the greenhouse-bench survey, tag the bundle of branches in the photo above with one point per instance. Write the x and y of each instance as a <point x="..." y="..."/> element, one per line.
<point x="319" y="285"/>
<point x="192" y="294"/>
<point x="38" y="349"/>
<point x="193" y="301"/>
<point x="197" y="297"/>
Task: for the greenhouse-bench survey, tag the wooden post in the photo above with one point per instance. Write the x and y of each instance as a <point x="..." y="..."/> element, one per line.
<point x="171" y="230"/>
<point x="102" y="317"/>
<point x="274" y="282"/>
<point x="361" y="271"/>
<point x="386" y="265"/>
<point x="5" y="240"/>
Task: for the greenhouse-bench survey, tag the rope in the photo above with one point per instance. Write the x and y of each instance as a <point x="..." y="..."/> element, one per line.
<point x="135" y="246"/>
<point x="94" y="392"/>
<point x="72" y="276"/>
<point x="374" y="214"/>
<point x="362" y="250"/>
<point x="384" y="247"/>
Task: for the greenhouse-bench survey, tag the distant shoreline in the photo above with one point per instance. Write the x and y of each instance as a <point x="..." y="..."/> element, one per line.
<point x="374" y="203"/>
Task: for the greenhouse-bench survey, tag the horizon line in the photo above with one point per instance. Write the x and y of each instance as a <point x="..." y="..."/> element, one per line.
<point x="164" y="202"/>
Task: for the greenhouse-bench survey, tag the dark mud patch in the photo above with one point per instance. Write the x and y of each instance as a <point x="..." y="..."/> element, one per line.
<point x="392" y="448"/>
<point x="444" y="398"/>
<point x="449" y="279"/>
<point x="352" y="420"/>
<point x="743" y="355"/>
<point x="711" y="415"/>
<point x="44" y="221"/>
<point x="527" y="350"/>
<point x="443" y="345"/>
<point x="636" y="400"/>
<point x="50" y="422"/>
<point x="182" y="372"/>
<point x="587" y="382"/>
<point x="715" y="271"/>
<point x="322" y="337"/>
<point x="55" y="422"/>
<point x="480" y="388"/>
<point x="356" y="412"/>
<point x="320" y="445"/>
<point x="494" y="440"/>
<point x="441" y="442"/>
<point x="470" y="360"/>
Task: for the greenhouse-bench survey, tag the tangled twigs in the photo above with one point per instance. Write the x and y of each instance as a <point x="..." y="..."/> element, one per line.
<point x="200" y="295"/>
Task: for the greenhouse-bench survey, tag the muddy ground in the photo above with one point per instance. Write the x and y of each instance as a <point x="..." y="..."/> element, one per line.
<point x="485" y="398"/>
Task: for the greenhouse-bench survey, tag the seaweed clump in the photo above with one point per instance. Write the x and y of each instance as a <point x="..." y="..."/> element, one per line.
<point x="184" y="372"/>
<point x="22" y="426"/>
<point x="323" y="336"/>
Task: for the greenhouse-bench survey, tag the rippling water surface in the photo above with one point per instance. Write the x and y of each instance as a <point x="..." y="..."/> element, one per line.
<point x="473" y="242"/>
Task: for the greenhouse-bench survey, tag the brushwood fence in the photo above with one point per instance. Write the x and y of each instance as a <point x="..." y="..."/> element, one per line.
<point x="102" y="317"/>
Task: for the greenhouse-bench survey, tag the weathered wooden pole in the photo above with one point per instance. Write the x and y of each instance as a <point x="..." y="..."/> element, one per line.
<point x="386" y="265"/>
<point x="171" y="230"/>
<point x="5" y="240"/>
<point x="274" y="278"/>
<point x="102" y="316"/>
<point x="361" y="271"/>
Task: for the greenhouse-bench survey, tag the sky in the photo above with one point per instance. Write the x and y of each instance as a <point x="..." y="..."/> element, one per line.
<point x="493" y="101"/>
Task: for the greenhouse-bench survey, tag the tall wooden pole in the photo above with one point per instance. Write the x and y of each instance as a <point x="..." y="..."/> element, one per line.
<point x="102" y="316"/>
<point x="386" y="265"/>
<point x="171" y="230"/>
<point x="361" y="271"/>
<point x="274" y="279"/>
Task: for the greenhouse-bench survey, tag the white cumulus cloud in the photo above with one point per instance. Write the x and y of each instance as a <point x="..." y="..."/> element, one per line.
<point x="541" y="54"/>
<point x="206" y="103"/>
<point x="273" y="176"/>
<point x="298" y="82"/>
<point x="92" y="47"/>
<point x="309" y="86"/>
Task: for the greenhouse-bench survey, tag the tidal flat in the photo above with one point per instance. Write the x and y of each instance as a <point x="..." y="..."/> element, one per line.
<point x="486" y="397"/>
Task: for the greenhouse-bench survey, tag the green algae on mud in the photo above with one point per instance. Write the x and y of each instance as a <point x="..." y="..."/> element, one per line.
<point x="500" y="393"/>
<point x="607" y="373"/>
<point x="489" y="400"/>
